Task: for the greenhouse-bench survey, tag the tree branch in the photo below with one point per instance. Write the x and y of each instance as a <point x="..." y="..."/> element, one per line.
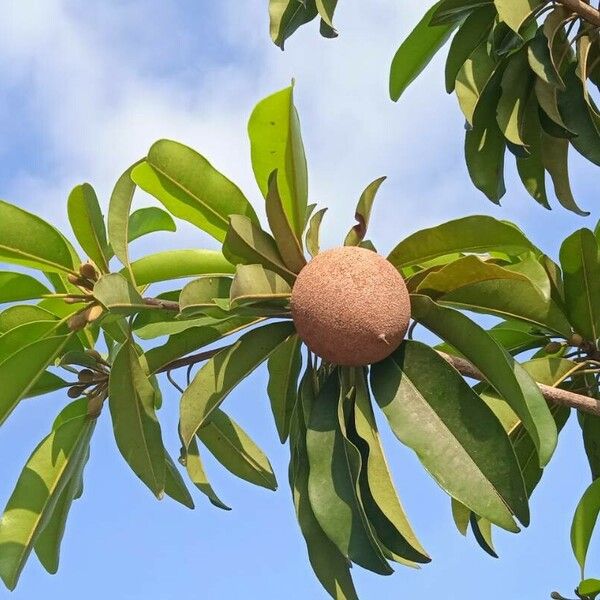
<point x="551" y="394"/>
<point x="584" y="10"/>
<point x="191" y="360"/>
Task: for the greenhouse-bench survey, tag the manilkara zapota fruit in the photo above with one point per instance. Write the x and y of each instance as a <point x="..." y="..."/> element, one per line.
<point x="350" y="306"/>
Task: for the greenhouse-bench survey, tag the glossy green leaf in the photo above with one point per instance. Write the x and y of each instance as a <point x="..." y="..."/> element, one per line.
<point x="18" y="337"/>
<point x="330" y="566"/>
<point x="16" y="287"/>
<point x="580" y="262"/>
<point x="287" y="15"/>
<point x="191" y="188"/>
<point x="363" y="213"/>
<point x="284" y="366"/>
<point x="236" y="451"/>
<point x="589" y="587"/>
<point x="248" y="244"/>
<point x="424" y="398"/>
<point x="21" y="370"/>
<point x="254" y="283"/>
<point x="382" y="504"/>
<point x="276" y="144"/>
<point x="27" y="240"/>
<point x="20" y="315"/>
<point x="195" y="470"/>
<point x="333" y="487"/>
<point x="476" y="234"/>
<point x="584" y="522"/>
<point x="118" y="216"/>
<point x="175" y="264"/>
<point x="515" y="12"/>
<point x="136" y="428"/>
<point x="87" y="223"/>
<point x="416" y="52"/>
<point x="224" y="371"/>
<point x="288" y="241"/>
<point x="149" y="220"/>
<point x="199" y="295"/>
<point x="499" y="368"/>
<point x="312" y="235"/>
<point x="46" y="474"/>
<point x="118" y="296"/>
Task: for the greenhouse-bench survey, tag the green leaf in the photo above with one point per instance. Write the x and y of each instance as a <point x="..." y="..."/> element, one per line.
<point x="469" y="36"/>
<point x="363" y="213"/>
<point x="21" y="370"/>
<point x="416" y="52"/>
<point x="515" y="12"/>
<point x="236" y="451"/>
<point x="333" y="487"/>
<point x="191" y="188"/>
<point x="482" y="530"/>
<point x="540" y="61"/>
<point x="174" y="485"/>
<point x="224" y="371"/>
<point x="276" y="144"/>
<point x="382" y="505"/>
<point x="248" y="244"/>
<point x="41" y="483"/>
<point x="20" y="315"/>
<point x="326" y="9"/>
<point x="254" y="283"/>
<point x="136" y="428"/>
<point x="118" y="296"/>
<point x="590" y="429"/>
<point x="196" y="473"/>
<point x="288" y="242"/>
<point x="584" y="522"/>
<point x="589" y="587"/>
<point x="118" y="216"/>
<point x="284" y="366"/>
<point x="14" y="339"/>
<point x="424" y="398"/>
<point x="175" y="264"/>
<point x="461" y="516"/>
<point x="47" y="545"/>
<point x="476" y="234"/>
<point x="46" y="384"/>
<point x="330" y="566"/>
<point x="196" y="337"/>
<point x="149" y="220"/>
<point x="580" y="262"/>
<point x="312" y="235"/>
<point x="16" y="287"/>
<point x="29" y="241"/>
<point x="287" y="15"/>
<point x="88" y="226"/>
<point x="497" y="366"/>
<point x="199" y="295"/>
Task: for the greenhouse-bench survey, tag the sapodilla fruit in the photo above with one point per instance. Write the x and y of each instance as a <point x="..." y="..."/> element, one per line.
<point x="350" y="306"/>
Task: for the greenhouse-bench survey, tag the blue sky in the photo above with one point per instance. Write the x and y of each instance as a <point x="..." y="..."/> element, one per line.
<point x="85" y="90"/>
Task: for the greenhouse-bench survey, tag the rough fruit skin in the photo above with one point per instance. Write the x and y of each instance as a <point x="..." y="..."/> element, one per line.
<point x="350" y="306"/>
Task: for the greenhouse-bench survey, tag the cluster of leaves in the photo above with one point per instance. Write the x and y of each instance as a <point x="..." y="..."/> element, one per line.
<point x="521" y="71"/>
<point x="93" y="322"/>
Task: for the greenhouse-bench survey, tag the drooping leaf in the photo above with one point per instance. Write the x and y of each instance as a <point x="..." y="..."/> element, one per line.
<point x="236" y="451"/>
<point x="174" y="484"/>
<point x="276" y="144"/>
<point x="175" y="264"/>
<point x="590" y="429"/>
<point x="312" y="235"/>
<point x="284" y="366"/>
<point x="191" y="188"/>
<point x="476" y="234"/>
<point x="423" y="398"/>
<point x="363" y="213"/>
<point x="515" y="12"/>
<point x="584" y="522"/>
<point x="287" y="15"/>
<point x="46" y="474"/>
<point x="149" y="220"/>
<point x="27" y="240"/>
<point x="21" y="370"/>
<point x="136" y="428"/>
<point x="87" y="223"/>
<point x="416" y="52"/>
<point x="195" y="470"/>
<point x="580" y="262"/>
<point x="288" y="241"/>
<point x="16" y="287"/>
<point x="224" y="371"/>
<point x="499" y="368"/>
<point x="333" y="487"/>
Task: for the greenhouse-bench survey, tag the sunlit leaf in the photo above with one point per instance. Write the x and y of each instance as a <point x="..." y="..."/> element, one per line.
<point x="584" y="522"/>
<point x="16" y="287"/>
<point x="363" y="213"/>
<point x="149" y="220"/>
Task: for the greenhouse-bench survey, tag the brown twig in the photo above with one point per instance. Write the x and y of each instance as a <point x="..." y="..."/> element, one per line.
<point x="160" y="303"/>
<point x="551" y="394"/>
<point x="584" y="10"/>
<point x="191" y="360"/>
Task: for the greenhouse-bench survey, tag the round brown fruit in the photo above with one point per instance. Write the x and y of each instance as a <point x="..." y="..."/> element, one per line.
<point x="350" y="306"/>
